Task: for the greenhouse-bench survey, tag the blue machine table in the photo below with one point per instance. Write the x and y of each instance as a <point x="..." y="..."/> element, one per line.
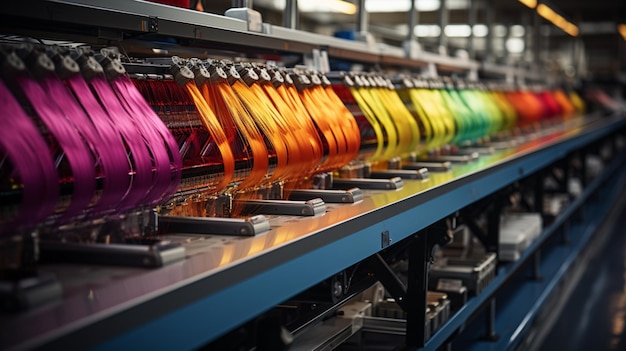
<point x="225" y="281"/>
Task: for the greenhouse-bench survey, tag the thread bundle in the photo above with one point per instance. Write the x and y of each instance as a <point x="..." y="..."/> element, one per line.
<point x="97" y="147"/>
<point x="102" y="143"/>
<point x="280" y="127"/>
<point x="414" y="115"/>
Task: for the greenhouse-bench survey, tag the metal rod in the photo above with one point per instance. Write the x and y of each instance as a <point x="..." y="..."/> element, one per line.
<point x="490" y="333"/>
<point x="538" y="193"/>
<point x="583" y="168"/>
<point x="393" y="285"/>
<point x="472" y="15"/>
<point x="527" y="36"/>
<point x="443" y="21"/>
<point x="242" y="3"/>
<point x="290" y="15"/>
<point x="566" y="174"/>
<point x="362" y="20"/>
<point x="489" y="39"/>
<point x="536" y="39"/>
<point x="493" y="225"/>
<point x="413" y="18"/>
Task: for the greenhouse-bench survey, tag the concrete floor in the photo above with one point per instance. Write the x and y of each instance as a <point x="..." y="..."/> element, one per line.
<point x="594" y="317"/>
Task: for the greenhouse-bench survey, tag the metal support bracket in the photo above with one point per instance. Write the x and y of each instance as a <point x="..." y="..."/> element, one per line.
<point x="430" y="166"/>
<point x="381" y="270"/>
<point x="284" y="207"/>
<point x="330" y="196"/>
<point x="490" y="236"/>
<point x="370" y="184"/>
<point x="414" y="174"/>
<point x="211" y="225"/>
<point x="148" y="253"/>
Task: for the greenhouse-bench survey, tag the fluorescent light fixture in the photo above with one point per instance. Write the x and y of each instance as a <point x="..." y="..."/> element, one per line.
<point x="458" y="30"/>
<point x="480" y="30"/>
<point x="517" y="31"/>
<point x="549" y="14"/>
<point x="515" y="45"/>
<point x="530" y="3"/>
<point x="401" y="5"/>
<point x="420" y="5"/>
<point x="426" y="5"/>
<point x="546" y="12"/>
<point x="427" y="30"/>
<point x="327" y="6"/>
<point x="499" y="30"/>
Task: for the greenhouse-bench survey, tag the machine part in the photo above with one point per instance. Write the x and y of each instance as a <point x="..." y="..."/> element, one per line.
<point x="455" y="291"/>
<point x="252" y="18"/>
<point x="329" y="196"/>
<point x="248" y="226"/>
<point x="325" y="336"/>
<point x="450" y="158"/>
<point x="430" y="166"/>
<point x="392" y="283"/>
<point x="388" y="317"/>
<point x="476" y="273"/>
<point x="332" y="290"/>
<point x="369" y="184"/>
<point x="504" y="144"/>
<point x="147" y="253"/>
<point x="481" y="150"/>
<point x="22" y="290"/>
<point x="311" y="207"/>
<point x="418" y="174"/>
<point x="517" y="231"/>
<point x="382" y="325"/>
<point x="332" y="332"/>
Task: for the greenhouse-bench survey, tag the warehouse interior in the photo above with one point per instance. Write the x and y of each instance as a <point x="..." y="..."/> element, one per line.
<point x="313" y="175"/>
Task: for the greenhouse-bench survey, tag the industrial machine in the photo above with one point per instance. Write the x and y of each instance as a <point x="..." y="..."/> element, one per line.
<point x="163" y="183"/>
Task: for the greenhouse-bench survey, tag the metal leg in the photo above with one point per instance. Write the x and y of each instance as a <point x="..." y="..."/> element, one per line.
<point x="419" y="259"/>
<point x="493" y="225"/>
<point x="538" y="194"/>
<point x="537" y="266"/>
<point x="565" y="232"/>
<point x="583" y="168"/>
<point x="490" y="322"/>
<point x="566" y="175"/>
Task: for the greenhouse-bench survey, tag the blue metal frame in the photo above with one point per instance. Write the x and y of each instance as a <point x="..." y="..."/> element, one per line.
<point x="202" y="302"/>
<point x="206" y="319"/>
<point x="562" y="260"/>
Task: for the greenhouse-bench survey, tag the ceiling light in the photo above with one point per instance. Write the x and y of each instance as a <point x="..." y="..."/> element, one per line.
<point x="427" y="30"/>
<point x="515" y="45"/>
<point x="530" y="3"/>
<point x="517" y="31"/>
<point x="401" y="5"/>
<point x="499" y="30"/>
<point x="549" y="14"/>
<point x="458" y="30"/>
<point x="480" y="30"/>
<point x="327" y="6"/>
